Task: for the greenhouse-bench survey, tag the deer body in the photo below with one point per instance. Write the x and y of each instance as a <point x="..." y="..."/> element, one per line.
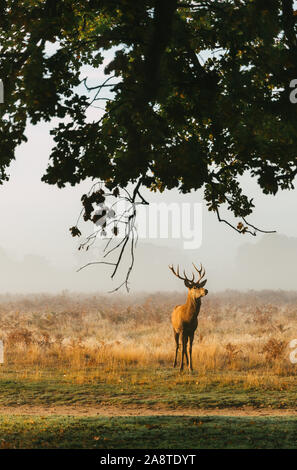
<point x="185" y="317"/>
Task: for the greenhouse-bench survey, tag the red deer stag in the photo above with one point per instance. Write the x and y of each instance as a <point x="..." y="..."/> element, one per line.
<point x="185" y="317"/>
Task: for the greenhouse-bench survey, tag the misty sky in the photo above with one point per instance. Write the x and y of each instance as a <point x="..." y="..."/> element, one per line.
<point x="36" y="218"/>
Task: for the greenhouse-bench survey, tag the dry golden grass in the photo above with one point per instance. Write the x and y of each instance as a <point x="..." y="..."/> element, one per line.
<point x="81" y="333"/>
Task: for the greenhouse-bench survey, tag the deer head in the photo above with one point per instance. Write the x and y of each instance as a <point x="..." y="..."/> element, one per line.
<point x="196" y="288"/>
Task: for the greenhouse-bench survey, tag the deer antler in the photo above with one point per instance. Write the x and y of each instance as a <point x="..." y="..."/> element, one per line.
<point x="200" y="271"/>
<point x="185" y="278"/>
<point x="179" y="276"/>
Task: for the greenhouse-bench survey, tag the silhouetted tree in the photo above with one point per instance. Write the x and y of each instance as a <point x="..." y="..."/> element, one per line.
<point x="200" y="93"/>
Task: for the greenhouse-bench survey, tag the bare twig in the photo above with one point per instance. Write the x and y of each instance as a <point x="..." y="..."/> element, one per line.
<point x="257" y="229"/>
<point x="127" y="219"/>
<point x="243" y="229"/>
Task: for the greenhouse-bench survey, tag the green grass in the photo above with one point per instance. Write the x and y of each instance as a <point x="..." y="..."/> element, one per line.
<point x="137" y="386"/>
<point x="148" y="432"/>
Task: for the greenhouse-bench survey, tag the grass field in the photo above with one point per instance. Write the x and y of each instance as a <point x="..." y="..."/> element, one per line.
<point x="165" y="432"/>
<point x="143" y="386"/>
<point x="84" y="351"/>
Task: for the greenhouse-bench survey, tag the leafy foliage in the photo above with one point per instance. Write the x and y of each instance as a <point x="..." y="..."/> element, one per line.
<point x="201" y="92"/>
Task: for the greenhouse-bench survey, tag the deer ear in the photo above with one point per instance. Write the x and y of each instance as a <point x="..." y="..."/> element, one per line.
<point x="203" y="283"/>
<point x="187" y="284"/>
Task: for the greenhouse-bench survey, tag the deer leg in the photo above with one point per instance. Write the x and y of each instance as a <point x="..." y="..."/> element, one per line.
<point x="184" y="350"/>
<point x="190" y="350"/>
<point x="176" y="337"/>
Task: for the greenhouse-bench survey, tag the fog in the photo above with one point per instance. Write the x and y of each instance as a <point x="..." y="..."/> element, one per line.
<point x="38" y="254"/>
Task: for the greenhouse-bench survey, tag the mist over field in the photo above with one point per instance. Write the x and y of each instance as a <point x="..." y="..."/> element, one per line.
<point x="270" y="263"/>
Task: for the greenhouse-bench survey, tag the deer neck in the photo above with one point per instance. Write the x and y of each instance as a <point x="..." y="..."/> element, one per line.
<point x="193" y="305"/>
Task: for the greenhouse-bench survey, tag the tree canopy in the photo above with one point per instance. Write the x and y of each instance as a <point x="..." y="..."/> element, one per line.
<point x="200" y="92"/>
